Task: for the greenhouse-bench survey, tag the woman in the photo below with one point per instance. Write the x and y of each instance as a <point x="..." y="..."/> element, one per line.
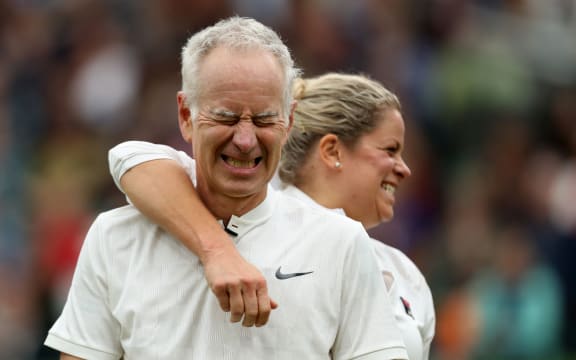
<point x="344" y="152"/>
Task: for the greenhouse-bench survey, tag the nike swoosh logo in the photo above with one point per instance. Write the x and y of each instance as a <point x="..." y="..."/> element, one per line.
<point x="282" y="276"/>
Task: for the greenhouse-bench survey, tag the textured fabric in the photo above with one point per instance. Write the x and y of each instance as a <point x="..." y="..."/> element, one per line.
<point x="409" y="293"/>
<point x="411" y="298"/>
<point x="408" y="289"/>
<point x="138" y="293"/>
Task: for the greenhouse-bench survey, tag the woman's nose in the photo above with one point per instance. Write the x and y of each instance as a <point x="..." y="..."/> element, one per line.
<point x="402" y="168"/>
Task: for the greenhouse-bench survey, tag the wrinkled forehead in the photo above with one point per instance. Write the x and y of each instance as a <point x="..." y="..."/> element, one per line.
<point x="234" y="63"/>
<point x="236" y="76"/>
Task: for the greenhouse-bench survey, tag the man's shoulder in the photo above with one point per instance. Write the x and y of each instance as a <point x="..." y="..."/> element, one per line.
<point x="122" y="213"/>
<point x="122" y="218"/>
<point x="125" y="230"/>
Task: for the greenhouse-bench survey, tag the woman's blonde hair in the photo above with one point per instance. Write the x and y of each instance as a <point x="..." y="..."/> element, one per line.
<point x="347" y="106"/>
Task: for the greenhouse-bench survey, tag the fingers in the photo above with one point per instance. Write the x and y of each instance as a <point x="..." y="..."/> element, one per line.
<point x="221" y="293"/>
<point x="236" y="303"/>
<point x="257" y="305"/>
<point x="240" y="288"/>
<point x="264" y="307"/>
<point x="247" y="303"/>
<point x="251" y="308"/>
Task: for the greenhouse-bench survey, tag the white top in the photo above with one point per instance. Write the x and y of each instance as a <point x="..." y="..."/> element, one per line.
<point x="138" y="293"/>
<point x="411" y="298"/>
<point x="410" y="294"/>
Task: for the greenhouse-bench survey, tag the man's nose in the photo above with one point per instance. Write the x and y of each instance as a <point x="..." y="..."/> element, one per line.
<point x="244" y="135"/>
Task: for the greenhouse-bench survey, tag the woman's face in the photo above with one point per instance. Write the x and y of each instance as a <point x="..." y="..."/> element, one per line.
<point x="373" y="169"/>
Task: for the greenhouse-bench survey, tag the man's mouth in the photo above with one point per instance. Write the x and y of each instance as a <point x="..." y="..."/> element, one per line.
<point x="241" y="164"/>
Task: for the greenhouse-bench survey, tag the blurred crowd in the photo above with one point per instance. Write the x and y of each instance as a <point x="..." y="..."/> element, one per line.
<point x="489" y="96"/>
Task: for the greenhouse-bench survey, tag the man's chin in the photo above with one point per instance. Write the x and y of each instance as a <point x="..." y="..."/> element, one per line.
<point x="241" y="190"/>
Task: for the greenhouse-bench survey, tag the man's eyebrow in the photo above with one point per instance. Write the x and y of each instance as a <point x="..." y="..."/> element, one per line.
<point x="266" y="114"/>
<point x="223" y="112"/>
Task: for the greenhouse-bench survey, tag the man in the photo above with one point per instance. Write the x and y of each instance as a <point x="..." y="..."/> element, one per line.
<point x="138" y="293"/>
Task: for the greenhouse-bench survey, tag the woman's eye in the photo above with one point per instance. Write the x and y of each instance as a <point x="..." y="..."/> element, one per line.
<point x="391" y="150"/>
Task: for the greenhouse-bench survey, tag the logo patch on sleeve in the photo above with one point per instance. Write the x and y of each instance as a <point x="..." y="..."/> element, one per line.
<point x="407" y="307"/>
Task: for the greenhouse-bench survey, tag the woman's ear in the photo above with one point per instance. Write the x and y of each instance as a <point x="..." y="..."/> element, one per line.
<point x="329" y="148"/>
<point x="184" y="117"/>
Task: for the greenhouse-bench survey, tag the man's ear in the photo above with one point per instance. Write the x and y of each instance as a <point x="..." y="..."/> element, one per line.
<point x="329" y="148"/>
<point x="290" y="120"/>
<point x="184" y="117"/>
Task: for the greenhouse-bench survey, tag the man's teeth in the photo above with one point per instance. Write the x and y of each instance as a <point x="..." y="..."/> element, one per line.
<point x="244" y="164"/>
<point x="389" y="188"/>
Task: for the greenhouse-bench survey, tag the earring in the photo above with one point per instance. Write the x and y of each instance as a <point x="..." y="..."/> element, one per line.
<point x="337" y="164"/>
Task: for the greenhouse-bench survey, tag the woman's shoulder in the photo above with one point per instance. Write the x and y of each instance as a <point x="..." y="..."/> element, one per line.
<point x="398" y="263"/>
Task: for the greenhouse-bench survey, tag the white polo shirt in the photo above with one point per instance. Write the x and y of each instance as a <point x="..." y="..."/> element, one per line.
<point x="411" y="298"/>
<point x="409" y="292"/>
<point x="137" y="293"/>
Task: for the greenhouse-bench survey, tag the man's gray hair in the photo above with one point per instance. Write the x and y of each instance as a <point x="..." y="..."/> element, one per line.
<point x="234" y="33"/>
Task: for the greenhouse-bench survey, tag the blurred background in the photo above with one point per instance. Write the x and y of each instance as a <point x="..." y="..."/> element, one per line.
<point x="489" y="95"/>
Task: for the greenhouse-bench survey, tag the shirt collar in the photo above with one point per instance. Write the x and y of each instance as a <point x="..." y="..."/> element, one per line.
<point x="294" y="192"/>
<point x="239" y="225"/>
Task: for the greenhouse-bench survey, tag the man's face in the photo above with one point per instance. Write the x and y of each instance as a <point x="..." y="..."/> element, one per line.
<point x="240" y="129"/>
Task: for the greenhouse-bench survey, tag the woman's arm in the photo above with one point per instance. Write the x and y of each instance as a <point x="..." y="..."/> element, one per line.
<point x="163" y="191"/>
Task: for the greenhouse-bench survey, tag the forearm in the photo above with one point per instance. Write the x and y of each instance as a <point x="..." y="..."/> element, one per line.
<point x="163" y="192"/>
<point x="161" y="188"/>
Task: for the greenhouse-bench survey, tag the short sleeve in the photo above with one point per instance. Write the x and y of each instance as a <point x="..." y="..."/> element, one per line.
<point x="86" y="327"/>
<point x="128" y="154"/>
